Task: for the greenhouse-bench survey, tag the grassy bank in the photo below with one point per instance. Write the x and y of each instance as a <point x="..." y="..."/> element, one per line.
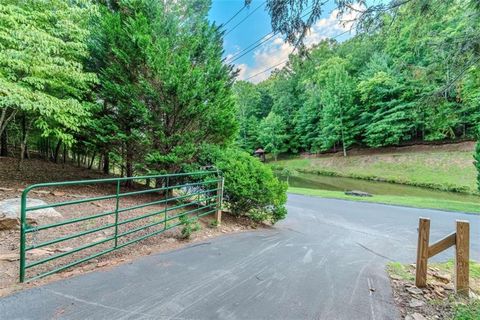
<point x="448" y="168"/>
<point x="417" y="202"/>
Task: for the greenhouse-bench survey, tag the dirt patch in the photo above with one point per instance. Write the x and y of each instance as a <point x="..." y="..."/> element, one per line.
<point x="12" y="183"/>
<point x="437" y="301"/>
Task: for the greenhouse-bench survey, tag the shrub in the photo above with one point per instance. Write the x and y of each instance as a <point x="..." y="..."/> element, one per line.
<point x="190" y="225"/>
<point x="251" y="188"/>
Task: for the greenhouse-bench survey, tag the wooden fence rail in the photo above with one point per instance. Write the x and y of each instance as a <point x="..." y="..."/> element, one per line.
<point x="460" y="239"/>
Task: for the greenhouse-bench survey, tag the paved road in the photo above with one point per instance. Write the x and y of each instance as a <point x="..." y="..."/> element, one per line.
<point x="325" y="261"/>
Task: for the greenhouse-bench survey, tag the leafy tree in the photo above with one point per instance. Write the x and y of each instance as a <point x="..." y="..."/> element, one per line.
<point x="248" y="101"/>
<point x="42" y="79"/>
<point x="272" y="134"/>
<point x="339" y="113"/>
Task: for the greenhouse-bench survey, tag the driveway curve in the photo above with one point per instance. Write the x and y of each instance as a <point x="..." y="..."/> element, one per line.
<point x="325" y="261"/>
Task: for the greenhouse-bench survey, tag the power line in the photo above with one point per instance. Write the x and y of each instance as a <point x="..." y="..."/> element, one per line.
<point x="236" y="14"/>
<point x="262" y="40"/>
<point x="259" y="73"/>
<point x="236" y="57"/>
<point x="253" y="11"/>
<point x="270" y="68"/>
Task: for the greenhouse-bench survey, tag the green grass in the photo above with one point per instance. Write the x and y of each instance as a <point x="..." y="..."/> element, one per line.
<point x="449" y="267"/>
<point x="442" y="170"/>
<point x="400" y="270"/>
<point x="417" y="202"/>
<point x="469" y="311"/>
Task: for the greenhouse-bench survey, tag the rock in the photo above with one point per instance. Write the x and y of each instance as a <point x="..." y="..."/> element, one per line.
<point x="473" y="295"/>
<point x="415" y="290"/>
<point x="9" y="257"/>
<point x="64" y="249"/>
<point x="415" y="316"/>
<point x="5" y="189"/>
<point x="415" y="303"/>
<point x="41" y="191"/>
<point x="443" y="277"/>
<point x="102" y="264"/>
<point x="57" y="193"/>
<point x="171" y="240"/>
<point x="10" y="213"/>
<point x="40" y="252"/>
<point x="449" y="286"/>
<point x="358" y="193"/>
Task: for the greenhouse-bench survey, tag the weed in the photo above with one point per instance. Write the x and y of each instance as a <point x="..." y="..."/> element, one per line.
<point x="190" y="225"/>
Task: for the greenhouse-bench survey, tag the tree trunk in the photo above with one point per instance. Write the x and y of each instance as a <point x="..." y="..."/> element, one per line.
<point x="4" y="143"/>
<point x="64" y="155"/>
<point x="129" y="159"/>
<point x="57" y="151"/>
<point x="23" y="143"/>
<point x="106" y="163"/>
<point x="91" y="161"/>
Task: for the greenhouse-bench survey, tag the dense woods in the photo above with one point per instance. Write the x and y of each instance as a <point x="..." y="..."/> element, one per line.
<point x="413" y="77"/>
<point x="128" y="87"/>
<point x="140" y="87"/>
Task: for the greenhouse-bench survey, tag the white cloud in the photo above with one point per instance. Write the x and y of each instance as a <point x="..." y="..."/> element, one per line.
<point x="276" y="50"/>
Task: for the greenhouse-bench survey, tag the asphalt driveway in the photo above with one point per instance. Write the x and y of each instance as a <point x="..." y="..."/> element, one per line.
<point x="325" y="261"/>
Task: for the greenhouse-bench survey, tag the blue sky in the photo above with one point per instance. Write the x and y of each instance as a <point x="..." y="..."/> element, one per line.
<point x="256" y="26"/>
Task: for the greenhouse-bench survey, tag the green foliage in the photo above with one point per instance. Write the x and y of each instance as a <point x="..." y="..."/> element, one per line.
<point x="272" y="134"/>
<point x="470" y="311"/>
<point x="164" y="88"/>
<point x="190" y="225"/>
<point x="401" y="270"/>
<point x="42" y="49"/>
<point x="415" y="78"/>
<point x="213" y="223"/>
<point x="251" y="188"/>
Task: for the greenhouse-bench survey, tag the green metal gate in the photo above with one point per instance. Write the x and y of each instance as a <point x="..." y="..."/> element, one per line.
<point x="193" y="195"/>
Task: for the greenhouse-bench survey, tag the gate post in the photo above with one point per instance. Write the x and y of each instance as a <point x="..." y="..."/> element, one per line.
<point x="218" y="213"/>
<point x="422" y="252"/>
<point x="462" y="256"/>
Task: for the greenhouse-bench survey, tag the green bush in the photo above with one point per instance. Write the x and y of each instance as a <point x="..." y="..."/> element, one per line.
<point x="190" y="225"/>
<point x="251" y="188"/>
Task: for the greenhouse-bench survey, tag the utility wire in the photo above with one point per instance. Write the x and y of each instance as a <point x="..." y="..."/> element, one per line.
<point x="262" y="40"/>
<point x="236" y="14"/>
<point x="253" y="11"/>
<point x="270" y="68"/>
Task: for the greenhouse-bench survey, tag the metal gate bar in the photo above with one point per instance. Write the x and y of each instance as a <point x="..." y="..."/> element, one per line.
<point x="208" y="190"/>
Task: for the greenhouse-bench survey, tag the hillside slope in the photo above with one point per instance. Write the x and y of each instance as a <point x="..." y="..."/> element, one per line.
<point x="443" y="167"/>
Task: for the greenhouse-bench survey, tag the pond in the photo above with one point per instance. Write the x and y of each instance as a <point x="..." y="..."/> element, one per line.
<point x="314" y="181"/>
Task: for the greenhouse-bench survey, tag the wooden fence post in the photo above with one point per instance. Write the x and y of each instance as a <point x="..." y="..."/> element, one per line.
<point x="218" y="213"/>
<point x="422" y="252"/>
<point x="462" y="256"/>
